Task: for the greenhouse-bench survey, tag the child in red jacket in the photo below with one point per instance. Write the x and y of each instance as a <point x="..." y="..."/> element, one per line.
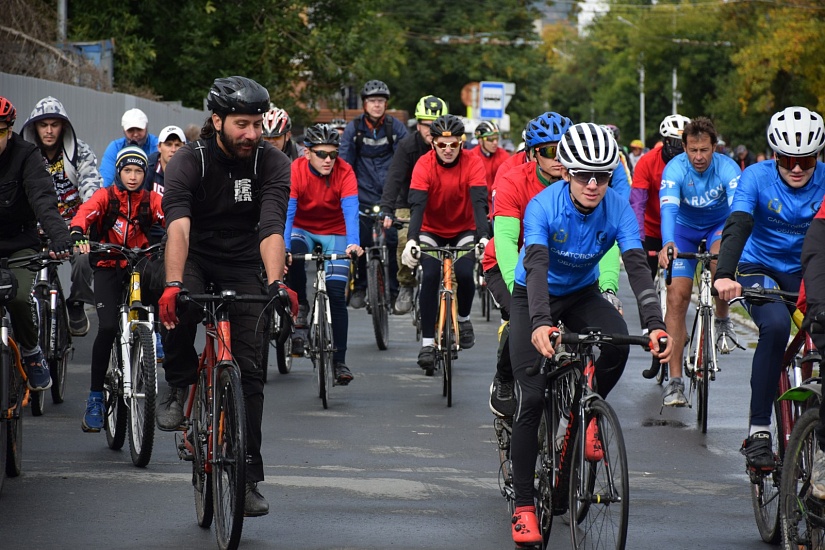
<point x="126" y="230"/>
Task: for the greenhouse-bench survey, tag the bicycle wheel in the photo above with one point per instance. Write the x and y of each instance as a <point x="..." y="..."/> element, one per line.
<point x="544" y="477"/>
<point x="599" y="485"/>
<point x="326" y="357"/>
<point x="801" y="518"/>
<point x="488" y="301"/>
<point x="229" y="454"/>
<point x="144" y="394"/>
<point x="377" y="292"/>
<point x="449" y="341"/>
<point x="199" y="429"/>
<point x="115" y="420"/>
<point x="14" y="424"/>
<point x="765" y="487"/>
<point x="59" y="363"/>
<point x="37" y="399"/>
<point x="703" y="372"/>
<point x="282" y="344"/>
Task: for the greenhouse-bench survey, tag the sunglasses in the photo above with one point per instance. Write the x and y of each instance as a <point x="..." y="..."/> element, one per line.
<point x="444" y="145"/>
<point x="548" y="151"/>
<point x="323" y="155"/>
<point x="584" y="177"/>
<point x="788" y="162"/>
<point x="4" y="131"/>
<point x="490" y="138"/>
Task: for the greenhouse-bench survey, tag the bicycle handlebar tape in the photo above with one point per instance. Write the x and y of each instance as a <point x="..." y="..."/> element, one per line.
<point x="534" y="370"/>
<point x="669" y="270"/>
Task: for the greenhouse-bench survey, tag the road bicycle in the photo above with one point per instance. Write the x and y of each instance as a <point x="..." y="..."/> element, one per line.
<point x="446" y="324"/>
<point x="14" y="391"/>
<point x="320" y="346"/>
<point x="281" y="328"/>
<point x="214" y="435"/>
<point x="802" y="516"/>
<point x="585" y="476"/>
<point x="54" y="336"/>
<point x="700" y="362"/>
<point x="379" y="296"/>
<point x="130" y="386"/>
<point x="485" y="297"/>
<point x="798" y="362"/>
<point x="660" y="283"/>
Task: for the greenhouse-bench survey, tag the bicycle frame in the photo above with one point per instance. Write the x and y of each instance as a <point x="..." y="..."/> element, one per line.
<point x="446" y="288"/>
<point x="133" y="313"/>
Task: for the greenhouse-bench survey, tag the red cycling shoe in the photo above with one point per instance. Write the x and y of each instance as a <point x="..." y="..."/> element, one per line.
<point x="526" y="526"/>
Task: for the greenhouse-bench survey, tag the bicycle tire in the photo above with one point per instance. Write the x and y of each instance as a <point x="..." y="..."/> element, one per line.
<point x="599" y="503"/>
<point x="488" y="301"/>
<point x="14" y="424"/>
<point x="797" y="504"/>
<point x="37" y="399"/>
<point x="283" y="347"/>
<point x="142" y="409"/>
<point x="663" y="374"/>
<point x="115" y="420"/>
<point x="326" y="334"/>
<point x="377" y="294"/>
<point x="59" y="364"/>
<point x="765" y="494"/>
<point x="5" y="384"/>
<point x="229" y="457"/>
<point x="545" y="465"/>
<point x="317" y="353"/>
<point x="201" y="480"/>
<point x="447" y="349"/>
<point x="284" y="355"/>
<point x="707" y="364"/>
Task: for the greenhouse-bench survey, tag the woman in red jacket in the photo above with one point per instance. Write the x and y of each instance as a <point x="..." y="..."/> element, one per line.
<point x="109" y="274"/>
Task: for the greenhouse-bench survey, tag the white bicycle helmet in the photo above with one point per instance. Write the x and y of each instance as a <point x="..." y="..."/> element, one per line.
<point x="276" y="123"/>
<point x="588" y="147"/>
<point x="796" y="132"/>
<point x="673" y="126"/>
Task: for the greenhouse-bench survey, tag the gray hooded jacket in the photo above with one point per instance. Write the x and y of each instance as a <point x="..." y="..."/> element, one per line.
<point x="80" y="162"/>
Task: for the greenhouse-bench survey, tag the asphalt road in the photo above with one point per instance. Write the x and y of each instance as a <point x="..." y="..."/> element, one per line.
<point x="387" y="466"/>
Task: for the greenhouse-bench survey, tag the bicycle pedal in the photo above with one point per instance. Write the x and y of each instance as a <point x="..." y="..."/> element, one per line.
<point x="183" y="452"/>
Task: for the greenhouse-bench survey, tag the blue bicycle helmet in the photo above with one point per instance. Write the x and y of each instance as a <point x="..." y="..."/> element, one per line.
<point x="546" y="128"/>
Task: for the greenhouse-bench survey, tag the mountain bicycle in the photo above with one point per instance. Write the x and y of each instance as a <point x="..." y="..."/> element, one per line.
<point x="700" y="362"/>
<point x="214" y="436"/>
<point x="54" y="336"/>
<point x="379" y="296"/>
<point x="320" y="346"/>
<point x="446" y="324"/>
<point x="14" y="391"/>
<point x="587" y="476"/>
<point x="130" y="387"/>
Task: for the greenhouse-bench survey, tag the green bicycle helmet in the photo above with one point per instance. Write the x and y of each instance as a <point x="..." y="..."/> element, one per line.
<point x="430" y="107"/>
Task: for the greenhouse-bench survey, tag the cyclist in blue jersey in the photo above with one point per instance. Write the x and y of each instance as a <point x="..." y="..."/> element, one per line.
<point x="568" y="227"/>
<point x="697" y="190"/>
<point x="771" y="212"/>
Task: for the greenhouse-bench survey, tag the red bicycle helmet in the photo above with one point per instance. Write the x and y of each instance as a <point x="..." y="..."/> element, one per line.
<point x="8" y="113"/>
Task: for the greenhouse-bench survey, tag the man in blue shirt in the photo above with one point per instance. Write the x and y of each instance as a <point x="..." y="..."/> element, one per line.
<point x="135" y="125"/>
<point x="697" y="190"/>
<point x="770" y="215"/>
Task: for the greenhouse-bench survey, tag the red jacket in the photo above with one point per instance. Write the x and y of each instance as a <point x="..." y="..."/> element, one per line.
<point x="126" y="230"/>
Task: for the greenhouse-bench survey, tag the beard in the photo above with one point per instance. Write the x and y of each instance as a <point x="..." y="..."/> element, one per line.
<point x="234" y="147"/>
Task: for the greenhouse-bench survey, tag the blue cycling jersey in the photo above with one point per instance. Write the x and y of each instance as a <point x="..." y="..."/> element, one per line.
<point x="781" y="215"/>
<point x="575" y="241"/>
<point x="696" y="200"/>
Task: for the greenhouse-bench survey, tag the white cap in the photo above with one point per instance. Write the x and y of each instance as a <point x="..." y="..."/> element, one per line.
<point x="134" y="118"/>
<point x="171" y="131"/>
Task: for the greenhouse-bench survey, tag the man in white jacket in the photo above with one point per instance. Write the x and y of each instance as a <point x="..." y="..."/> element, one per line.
<point x="73" y="167"/>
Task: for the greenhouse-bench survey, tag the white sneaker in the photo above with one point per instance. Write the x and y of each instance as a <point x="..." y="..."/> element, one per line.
<point x="674" y="394"/>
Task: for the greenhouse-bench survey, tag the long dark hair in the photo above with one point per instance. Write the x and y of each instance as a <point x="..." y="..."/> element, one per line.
<point x="208" y="129"/>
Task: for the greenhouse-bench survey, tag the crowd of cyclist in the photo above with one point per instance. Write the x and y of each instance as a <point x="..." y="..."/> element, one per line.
<point x="550" y="226"/>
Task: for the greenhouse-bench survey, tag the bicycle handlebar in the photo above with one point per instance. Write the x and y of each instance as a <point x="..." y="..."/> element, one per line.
<point x="224" y="296"/>
<point x="129" y="253"/>
<point x="34" y="262"/>
<point x="450" y="250"/>
<point x="597" y="339"/>
<point x="759" y="295"/>
<point x="318" y="257"/>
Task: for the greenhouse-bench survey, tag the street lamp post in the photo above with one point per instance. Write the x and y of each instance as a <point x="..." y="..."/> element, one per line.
<point x="642" y="100"/>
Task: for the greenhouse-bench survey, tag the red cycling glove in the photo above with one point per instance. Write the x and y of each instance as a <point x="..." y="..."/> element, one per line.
<point x="168" y="305"/>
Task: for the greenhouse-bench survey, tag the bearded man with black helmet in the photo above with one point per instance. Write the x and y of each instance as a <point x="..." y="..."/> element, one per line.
<point x="225" y="204"/>
<point x="368" y="145"/>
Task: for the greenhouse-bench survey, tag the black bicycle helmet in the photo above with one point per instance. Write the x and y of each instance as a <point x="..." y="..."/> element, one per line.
<point x="375" y="88"/>
<point x="446" y="126"/>
<point x="237" y="95"/>
<point x="321" y="134"/>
